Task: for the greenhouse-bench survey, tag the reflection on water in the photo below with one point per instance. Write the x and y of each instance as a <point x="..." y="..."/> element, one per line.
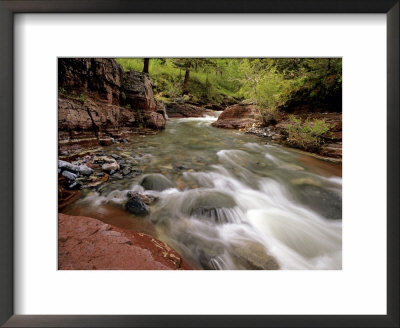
<point x="229" y="201"/>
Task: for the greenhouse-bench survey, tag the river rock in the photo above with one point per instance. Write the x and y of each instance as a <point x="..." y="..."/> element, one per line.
<point x="115" y="156"/>
<point x="147" y="199"/>
<point x="118" y="176"/>
<point x="106" y="141"/>
<point x="237" y="116"/>
<point x="84" y="170"/>
<point x="326" y="202"/>
<point x="213" y="205"/>
<point x="110" y="167"/>
<point x="103" y="159"/>
<point x="176" y="110"/>
<point x="121" y="163"/>
<point x="306" y="181"/>
<point x="69" y="175"/>
<point x="253" y="255"/>
<point x="156" y="182"/>
<point x="126" y="170"/>
<point x="64" y="165"/>
<point x="93" y="165"/>
<point x="136" y="206"/>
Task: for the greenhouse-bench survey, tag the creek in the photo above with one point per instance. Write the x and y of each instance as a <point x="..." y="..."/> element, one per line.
<point x="227" y="200"/>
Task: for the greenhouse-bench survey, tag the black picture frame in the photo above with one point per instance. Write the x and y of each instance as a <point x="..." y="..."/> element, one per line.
<point x="7" y="11"/>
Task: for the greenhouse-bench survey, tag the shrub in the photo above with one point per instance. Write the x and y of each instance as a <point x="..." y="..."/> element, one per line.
<point x="62" y="90"/>
<point x="82" y="98"/>
<point x="128" y="106"/>
<point x="306" y="135"/>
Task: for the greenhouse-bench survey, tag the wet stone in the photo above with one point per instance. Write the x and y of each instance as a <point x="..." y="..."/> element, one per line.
<point x="85" y="170"/>
<point x="69" y="175"/>
<point x="126" y="171"/>
<point x="156" y="182"/>
<point x="110" y="168"/>
<point x="118" y="176"/>
<point x="136" y="206"/>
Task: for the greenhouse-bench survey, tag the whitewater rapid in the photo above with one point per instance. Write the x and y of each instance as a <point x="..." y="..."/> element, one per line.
<point x="238" y="203"/>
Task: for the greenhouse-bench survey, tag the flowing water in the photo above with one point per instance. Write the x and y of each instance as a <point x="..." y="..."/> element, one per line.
<point x="227" y="200"/>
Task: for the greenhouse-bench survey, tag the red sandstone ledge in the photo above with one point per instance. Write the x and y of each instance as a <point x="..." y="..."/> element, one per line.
<point x="88" y="244"/>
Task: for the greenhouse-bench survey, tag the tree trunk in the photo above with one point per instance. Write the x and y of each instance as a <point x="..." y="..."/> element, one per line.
<point x="186" y="82"/>
<point x="146" y="65"/>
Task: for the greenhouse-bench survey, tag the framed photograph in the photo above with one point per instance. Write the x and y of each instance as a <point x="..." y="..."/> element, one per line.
<point x="203" y="164"/>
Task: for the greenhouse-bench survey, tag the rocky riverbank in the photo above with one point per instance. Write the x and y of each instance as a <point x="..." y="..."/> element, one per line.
<point x="88" y="244"/>
<point x="91" y="169"/>
<point x="246" y="118"/>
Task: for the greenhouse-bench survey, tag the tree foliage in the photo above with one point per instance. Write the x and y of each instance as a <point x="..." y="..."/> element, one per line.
<point x="270" y="83"/>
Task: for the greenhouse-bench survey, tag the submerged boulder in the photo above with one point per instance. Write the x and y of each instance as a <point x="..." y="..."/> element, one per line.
<point x="326" y="202"/>
<point x="253" y="255"/>
<point x="214" y="205"/>
<point x="156" y="182"/>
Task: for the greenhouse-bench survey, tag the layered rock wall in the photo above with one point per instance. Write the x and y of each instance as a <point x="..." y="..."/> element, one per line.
<point x="98" y="103"/>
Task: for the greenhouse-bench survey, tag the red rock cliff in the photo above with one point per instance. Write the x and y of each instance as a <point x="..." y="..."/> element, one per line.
<point x="98" y="103"/>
